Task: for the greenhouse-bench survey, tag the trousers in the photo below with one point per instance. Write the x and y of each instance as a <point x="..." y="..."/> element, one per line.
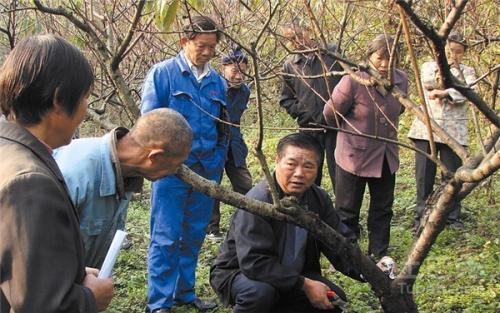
<point x="327" y="141"/>
<point x="425" y="174"/>
<point x="179" y="217"/>
<point x="349" y="197"/>
<point x="241" y="181"/>
<point x="251" y="296"/>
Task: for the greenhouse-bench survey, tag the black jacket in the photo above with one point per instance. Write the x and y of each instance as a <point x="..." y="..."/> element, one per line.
<point x="254" y="246"/>
<point x="304" y="98"/>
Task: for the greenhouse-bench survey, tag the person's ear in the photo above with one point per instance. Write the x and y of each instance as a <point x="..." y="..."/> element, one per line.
<point x="155" y="155"/>
<point x="184" y="41"/>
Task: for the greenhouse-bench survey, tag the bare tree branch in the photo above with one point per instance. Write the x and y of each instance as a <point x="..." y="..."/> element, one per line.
<point x="115" y="61"/>
<point x="418" y="82"/>
<point x="483" y="171"/>
<point x="451" y="19"/>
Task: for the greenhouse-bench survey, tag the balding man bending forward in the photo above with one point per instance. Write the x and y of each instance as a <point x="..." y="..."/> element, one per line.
<point x="101" y="173"/>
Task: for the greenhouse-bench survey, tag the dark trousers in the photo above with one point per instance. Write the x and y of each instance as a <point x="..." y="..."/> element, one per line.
<point x="425" y="174"/>
<point x="328" y="142"/>
<point x="349" y="193"/>
<point x="251" y="296"/>
<point x="241" y="181"/>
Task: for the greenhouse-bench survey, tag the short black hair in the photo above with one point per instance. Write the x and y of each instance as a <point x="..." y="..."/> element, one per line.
<point x="381" y="43"/>
<point x="201" y="24"/>
<point x="40" y="71"/>
<point x="299" y="140"/>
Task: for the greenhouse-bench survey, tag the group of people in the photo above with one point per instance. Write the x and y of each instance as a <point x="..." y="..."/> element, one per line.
<point x="62" y="200"/>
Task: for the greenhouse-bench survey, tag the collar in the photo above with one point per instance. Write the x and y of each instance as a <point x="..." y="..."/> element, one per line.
<point x="122" y="184"/>
<point x="14" y="132"/>
<point x="194" y="69"/>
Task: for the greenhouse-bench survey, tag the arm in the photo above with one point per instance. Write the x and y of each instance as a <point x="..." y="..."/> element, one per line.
<point x="288" y="99"/>
<point x="257" y="252"/>
<point x="43" y="268"/>
<point x="155" y="91"/>
<point x="428" y="75"/>
<point x="341" y="101"/>
<point x="222" y="145"/>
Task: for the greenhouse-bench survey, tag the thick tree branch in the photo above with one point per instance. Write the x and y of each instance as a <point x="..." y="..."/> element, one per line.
<point x="433" y="227"/>
<point x="491" y="144"/>
<point x="392" y="299"/>
<point x="486" y="169"/>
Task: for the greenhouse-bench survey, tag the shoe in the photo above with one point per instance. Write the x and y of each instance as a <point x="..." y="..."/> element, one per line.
<point x="204" y="305"/>
<point x="455" y="224"/>
<point x="201" y="305"/>
<point x="161" y="311"/>
<point x="127" y="244"/>
<point x="215" y="236"/>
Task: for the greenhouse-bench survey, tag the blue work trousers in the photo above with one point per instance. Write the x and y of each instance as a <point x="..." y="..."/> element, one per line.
<point x="179" y="217"/>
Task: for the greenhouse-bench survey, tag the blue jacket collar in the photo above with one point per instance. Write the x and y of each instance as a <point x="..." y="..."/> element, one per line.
<point x="180" y="60"/>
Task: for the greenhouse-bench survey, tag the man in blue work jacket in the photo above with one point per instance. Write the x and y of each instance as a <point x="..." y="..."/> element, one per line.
<point x="179" y="214"/>
<point x="102" y="173"/>
<point x="234" y="64"/>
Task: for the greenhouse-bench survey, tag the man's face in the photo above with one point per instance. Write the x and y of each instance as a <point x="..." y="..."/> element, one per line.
<point x="163" y="165"/>
<point x="298" y="37"/>
<point x="296" y="170"/>
<point x="200" y="49"/>
<point x="455" y="53"/>
<point x="233" y="73"/>
<point x="65" y="125"/>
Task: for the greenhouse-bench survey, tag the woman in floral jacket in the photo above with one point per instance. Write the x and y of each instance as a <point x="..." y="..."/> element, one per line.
<point x="448" y="108"/>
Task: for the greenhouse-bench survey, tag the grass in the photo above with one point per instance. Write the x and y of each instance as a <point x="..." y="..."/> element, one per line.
<point x="459" y="275"/>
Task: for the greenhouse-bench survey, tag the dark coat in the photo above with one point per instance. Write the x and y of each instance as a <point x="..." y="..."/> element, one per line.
<point x="304" y="98"/>
<point x="254" y="246"/>
<point x="41" y="251"/>
<point x="237" y="103"/>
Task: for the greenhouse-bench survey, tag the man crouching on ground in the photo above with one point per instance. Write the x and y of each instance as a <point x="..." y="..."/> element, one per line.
<point x="266" y="265"/>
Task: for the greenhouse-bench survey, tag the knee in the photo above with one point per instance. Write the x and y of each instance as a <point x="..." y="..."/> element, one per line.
<point x="255" y="297"/>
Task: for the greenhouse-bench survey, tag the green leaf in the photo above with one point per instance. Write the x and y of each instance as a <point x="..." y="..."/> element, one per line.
<point x="197" y="4"/>
<point x="166" y="14"/>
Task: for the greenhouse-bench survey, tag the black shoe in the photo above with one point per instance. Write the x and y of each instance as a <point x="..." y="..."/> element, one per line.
<point x="203" y="305"/>
<point x="162" y="311"/>
<point x="215" y="236"/>
<point x="455" y="224"/>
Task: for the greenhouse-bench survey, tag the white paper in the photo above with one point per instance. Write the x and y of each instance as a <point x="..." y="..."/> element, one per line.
<point x="112" y="255"/>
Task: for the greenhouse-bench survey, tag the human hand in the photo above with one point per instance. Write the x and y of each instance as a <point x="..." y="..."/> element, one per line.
<point x="101" y="288"/>
<point x="316" y="292"/>
<point x="437" y="94"/>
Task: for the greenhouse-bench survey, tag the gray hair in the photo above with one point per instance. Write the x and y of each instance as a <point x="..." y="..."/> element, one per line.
<point x="382" y="43"/>
<point x="163" y="128"/>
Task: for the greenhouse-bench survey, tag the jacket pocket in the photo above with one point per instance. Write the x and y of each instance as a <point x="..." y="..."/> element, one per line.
<point x="182" y="102"/>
